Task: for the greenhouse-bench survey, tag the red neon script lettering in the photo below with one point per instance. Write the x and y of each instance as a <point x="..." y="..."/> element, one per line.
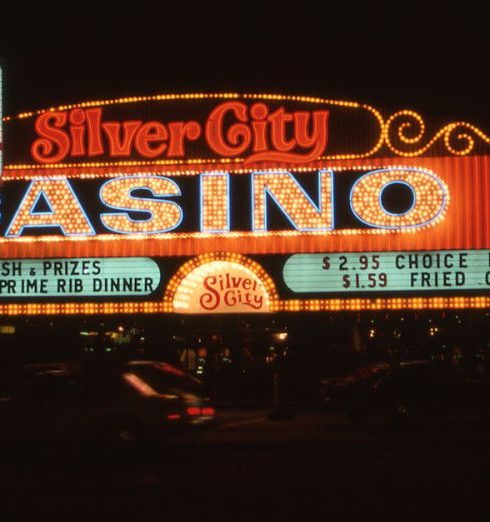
<point x="266" y="133"/>
<point x="228" y="291"/>
<point x="233" y="129"/>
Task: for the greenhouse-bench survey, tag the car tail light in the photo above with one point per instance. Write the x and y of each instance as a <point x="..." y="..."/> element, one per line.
<point x="173" y="416"/>
<point x="194" y="411"/>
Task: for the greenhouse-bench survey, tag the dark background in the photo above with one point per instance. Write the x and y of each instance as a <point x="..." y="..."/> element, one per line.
<point x="391" y="55"/>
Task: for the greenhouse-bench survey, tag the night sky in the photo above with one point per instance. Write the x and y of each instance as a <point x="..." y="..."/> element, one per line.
<point x="390" y="55"/>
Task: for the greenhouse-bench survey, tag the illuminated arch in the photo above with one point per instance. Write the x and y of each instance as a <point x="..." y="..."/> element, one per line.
<point x="175" y="288"/>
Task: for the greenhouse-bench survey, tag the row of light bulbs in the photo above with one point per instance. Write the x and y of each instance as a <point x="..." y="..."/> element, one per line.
<point x="310" y="305"/>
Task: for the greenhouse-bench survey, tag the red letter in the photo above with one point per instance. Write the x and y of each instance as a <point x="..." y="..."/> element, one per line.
<point x="178" y="132"/>
<point x="118" y="147"/>
<point x="319" y="135"/>
<point x="210" y="300"/>
<point x="51" y="136"/>
<point x="77" y="132"/>
<point x="153" y="131"/>
<point x="317" y="139"/>
<point x="259" y="112"/>
<point x="238" y="135"/>
<point x="278" y="121"/>
<point x="94" y="116"/>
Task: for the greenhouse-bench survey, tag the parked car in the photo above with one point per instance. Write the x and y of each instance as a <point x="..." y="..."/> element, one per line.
<point x="126" y="402"/>
<point x="333" y="388"/>
<point x="408" y="391"/>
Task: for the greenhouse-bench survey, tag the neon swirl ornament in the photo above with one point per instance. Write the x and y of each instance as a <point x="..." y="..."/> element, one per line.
<point x="409" y="128"/>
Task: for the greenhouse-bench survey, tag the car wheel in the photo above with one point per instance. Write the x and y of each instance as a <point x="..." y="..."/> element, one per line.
<point x="126" y="434"/>
<point x="359" y="416"/>
<point x="122" y="431"/>
<point x="400" y="414"/>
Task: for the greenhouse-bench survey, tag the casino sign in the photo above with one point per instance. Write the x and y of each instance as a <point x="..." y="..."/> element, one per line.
<point x="240" y="203"/>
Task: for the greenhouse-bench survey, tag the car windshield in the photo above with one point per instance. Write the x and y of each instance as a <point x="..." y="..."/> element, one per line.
<point x="162" y="377"/>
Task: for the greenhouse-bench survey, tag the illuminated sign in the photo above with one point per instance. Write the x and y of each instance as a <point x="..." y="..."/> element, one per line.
<point x="87" y="277"/>
<point x="247" y="130"/>
<point x="253" y="129"/>
<point x="381" y="272"/>
<point x="235" y="203"/>
<point x="231" y="129"/>
<point x="221" y="287"/>
<point x="151" y="205"/>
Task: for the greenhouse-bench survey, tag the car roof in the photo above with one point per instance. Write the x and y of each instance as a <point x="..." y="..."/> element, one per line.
<point x="75" y="368"/>
<point x="422" y="363"/>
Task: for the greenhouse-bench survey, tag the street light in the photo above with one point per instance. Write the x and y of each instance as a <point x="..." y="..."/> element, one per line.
<point x="279" y="353"/>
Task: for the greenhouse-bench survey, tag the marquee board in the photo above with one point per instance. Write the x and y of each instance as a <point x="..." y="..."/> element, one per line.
<point x="241" y="203"/>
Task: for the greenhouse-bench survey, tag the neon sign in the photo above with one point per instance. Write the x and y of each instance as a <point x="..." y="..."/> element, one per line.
<point x="241" y="201"/>
<point x="231" y="129"/>
<point x="221" y="287"/>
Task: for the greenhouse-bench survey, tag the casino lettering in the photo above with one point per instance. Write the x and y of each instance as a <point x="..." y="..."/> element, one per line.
<point x="164" y="209"/>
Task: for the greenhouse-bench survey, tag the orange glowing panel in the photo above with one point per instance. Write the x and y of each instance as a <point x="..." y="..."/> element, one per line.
<point x="293" y="201"/>
<point x="430" y="198"/>
<point x="161" y="215"/>
<point x="50" y="203"/>
<point x="464" y="224"/>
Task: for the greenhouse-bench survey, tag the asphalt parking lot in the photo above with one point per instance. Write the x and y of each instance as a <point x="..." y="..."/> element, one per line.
<point x="249" y="468"/>
<point x="315" y="425"/>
